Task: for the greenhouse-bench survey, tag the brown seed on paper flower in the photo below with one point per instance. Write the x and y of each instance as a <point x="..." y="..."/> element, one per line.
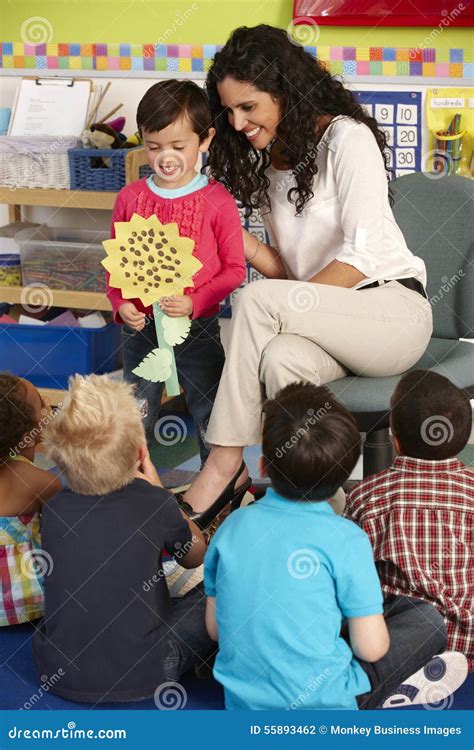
<point x="153" y="271"/>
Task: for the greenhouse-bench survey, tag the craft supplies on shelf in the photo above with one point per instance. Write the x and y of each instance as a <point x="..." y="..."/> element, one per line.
<point x="66" y="318"/>
<point x="10" y="269"/>
<point x="450" y="121"/>
<point x="448" y="147"/>
<point x="10" y="263"/>
<point x="63" y="258"/>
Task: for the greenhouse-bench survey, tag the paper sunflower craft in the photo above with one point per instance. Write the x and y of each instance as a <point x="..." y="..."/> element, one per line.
<point x="148" y="260"/>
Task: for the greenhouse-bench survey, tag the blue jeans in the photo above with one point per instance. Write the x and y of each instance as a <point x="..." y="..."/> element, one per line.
<point x="417" y="632"/>
<point x="188" y="642"/>
<point x="199" y="362"/>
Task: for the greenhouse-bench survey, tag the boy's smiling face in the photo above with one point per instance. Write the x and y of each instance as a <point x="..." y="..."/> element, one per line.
<point x="172" y="152"/>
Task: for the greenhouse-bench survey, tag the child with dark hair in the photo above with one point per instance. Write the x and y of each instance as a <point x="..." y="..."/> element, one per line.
<point x="419" y="513"/>
<point x="175" y="124"/>
<point x="23" y="489"/>
<point x="277" y="610"/>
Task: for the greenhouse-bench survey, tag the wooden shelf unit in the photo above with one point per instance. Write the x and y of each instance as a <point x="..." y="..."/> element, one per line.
<point x="16" y="198"/>
<point x="15" y="295"/>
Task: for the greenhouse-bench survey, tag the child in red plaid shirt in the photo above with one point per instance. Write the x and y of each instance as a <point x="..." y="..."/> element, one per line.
<point x="419" y="513"/>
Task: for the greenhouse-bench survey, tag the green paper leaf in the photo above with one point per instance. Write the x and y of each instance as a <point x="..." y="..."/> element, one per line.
<point x="156" y="366"/>
<point x="175" y="330"/>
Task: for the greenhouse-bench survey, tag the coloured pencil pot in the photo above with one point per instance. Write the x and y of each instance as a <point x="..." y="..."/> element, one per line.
<point x="447" y="153"/>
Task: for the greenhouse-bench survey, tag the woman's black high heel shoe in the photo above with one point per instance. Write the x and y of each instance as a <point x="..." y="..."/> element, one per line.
<point x="230" y="494"/>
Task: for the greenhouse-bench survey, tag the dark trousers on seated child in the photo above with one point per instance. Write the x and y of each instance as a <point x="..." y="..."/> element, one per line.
<point x="199" y="362"/>
<point x="417" y="632"/>
<point x="188" y="642"/>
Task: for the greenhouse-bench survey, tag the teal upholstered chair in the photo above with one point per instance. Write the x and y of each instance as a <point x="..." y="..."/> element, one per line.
<point x="436" y="216"/>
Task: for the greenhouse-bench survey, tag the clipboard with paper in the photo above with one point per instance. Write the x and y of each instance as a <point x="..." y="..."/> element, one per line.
<point x="51" y="107"/>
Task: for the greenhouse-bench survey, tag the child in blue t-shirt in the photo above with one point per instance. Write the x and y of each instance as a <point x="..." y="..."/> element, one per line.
<point x="283" y="574"/>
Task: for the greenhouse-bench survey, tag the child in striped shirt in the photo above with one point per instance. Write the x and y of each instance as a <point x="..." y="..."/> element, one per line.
<point x="23" y="489"/>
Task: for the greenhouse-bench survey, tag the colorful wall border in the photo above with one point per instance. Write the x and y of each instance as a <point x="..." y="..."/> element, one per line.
<point x="187" y="58"/>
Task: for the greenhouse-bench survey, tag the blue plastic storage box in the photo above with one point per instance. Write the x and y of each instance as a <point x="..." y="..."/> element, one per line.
<point x="48" y="355"/>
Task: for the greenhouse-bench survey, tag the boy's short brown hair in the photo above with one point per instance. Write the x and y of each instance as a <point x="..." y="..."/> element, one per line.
<point x="95" y="436"/>
<point x="430" y="416"/>
<point x="310" y="442"/>
<point x="168" y="101"/>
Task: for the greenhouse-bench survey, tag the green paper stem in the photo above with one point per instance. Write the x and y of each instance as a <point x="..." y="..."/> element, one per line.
<point x="172" y="384"/>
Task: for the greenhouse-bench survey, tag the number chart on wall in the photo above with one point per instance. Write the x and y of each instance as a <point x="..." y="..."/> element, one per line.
<point x="399" y="114"/>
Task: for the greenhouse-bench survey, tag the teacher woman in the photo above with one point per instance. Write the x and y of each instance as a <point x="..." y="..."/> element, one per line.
<point x="343" y="293"/>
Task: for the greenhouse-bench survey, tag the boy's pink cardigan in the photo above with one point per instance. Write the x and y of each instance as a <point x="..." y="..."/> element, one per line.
<point x="208" y="216"/>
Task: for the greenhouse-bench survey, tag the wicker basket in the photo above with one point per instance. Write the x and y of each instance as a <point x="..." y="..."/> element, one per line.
<point x="36" y="162"/>
<point x="107" y="169"/>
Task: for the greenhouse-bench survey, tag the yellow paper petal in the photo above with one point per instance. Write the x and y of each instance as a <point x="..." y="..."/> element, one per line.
<point x="148" y="260"/>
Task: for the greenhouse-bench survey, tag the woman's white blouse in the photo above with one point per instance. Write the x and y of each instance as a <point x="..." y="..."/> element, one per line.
<point x="348" y="219"/>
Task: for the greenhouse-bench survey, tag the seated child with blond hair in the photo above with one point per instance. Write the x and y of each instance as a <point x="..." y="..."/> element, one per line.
<point x="23" y="489"/>
<point x="109" y="623"/>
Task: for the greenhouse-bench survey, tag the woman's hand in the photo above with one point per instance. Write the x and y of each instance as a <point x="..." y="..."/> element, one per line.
<point x="264" y="258"/>
<point x="338" y="274"/>
<point x="177" y="306"/>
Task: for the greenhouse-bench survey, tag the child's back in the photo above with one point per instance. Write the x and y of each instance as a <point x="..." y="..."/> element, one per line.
<point x="285" y="574"/>
<point x="106" y="599"/>
<point x="110" y="629"/>
<point x="285" y="571"/>
<point x="419" y="513"/>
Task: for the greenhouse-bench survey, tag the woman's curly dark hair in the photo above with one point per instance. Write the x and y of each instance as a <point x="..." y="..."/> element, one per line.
<point x="17" y="416"/>
<point x="265" y="57"/>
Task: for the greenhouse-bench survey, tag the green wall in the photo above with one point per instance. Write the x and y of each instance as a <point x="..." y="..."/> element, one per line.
<point x="193" y="21"/>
